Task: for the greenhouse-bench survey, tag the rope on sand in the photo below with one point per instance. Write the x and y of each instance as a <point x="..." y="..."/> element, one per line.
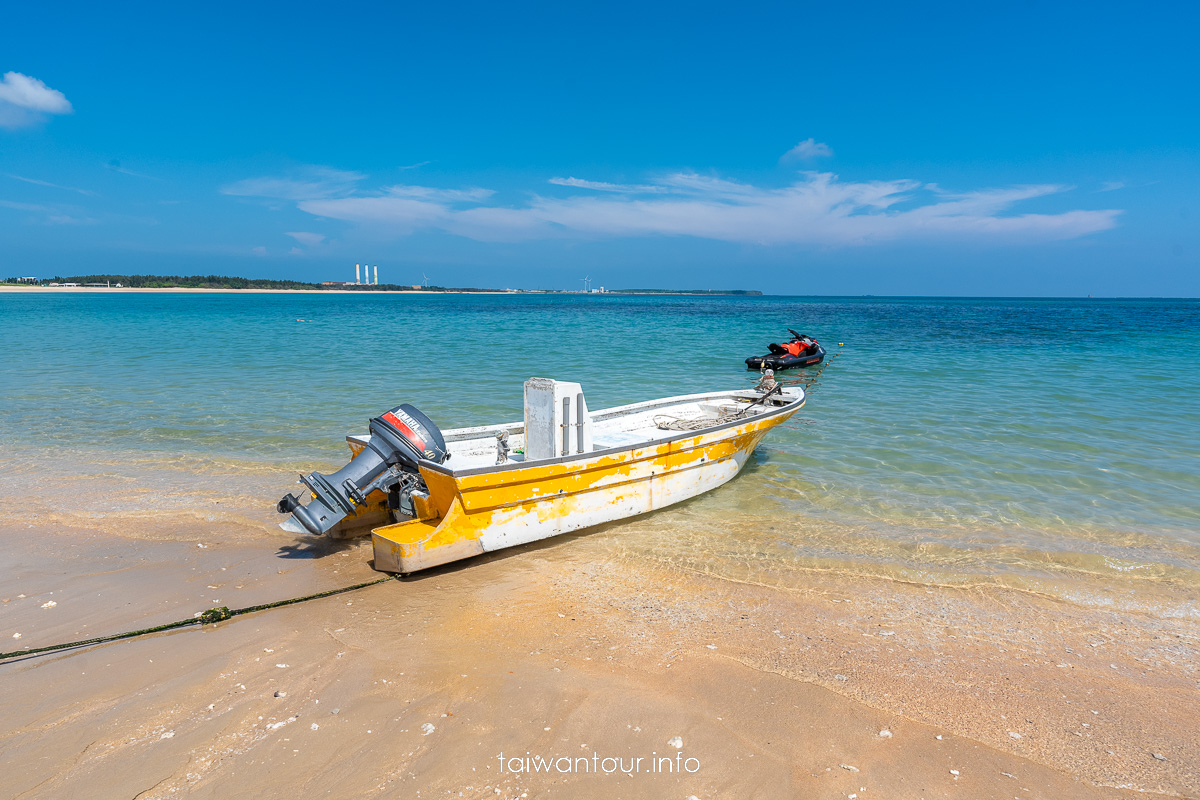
<point x="219" y="614"/>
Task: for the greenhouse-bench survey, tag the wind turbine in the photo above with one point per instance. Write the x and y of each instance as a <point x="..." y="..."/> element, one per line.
<point x="587" y="284"/>
<point x="426" y="277"/>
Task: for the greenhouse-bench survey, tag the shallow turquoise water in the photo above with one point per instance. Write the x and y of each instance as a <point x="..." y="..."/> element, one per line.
<point x="987" y="436"/>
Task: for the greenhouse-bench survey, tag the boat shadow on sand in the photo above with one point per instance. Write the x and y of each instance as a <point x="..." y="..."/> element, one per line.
<point x="314" y="547"/>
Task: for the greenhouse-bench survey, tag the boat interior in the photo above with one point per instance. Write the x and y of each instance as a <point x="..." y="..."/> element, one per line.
<point x="561" y="425"/>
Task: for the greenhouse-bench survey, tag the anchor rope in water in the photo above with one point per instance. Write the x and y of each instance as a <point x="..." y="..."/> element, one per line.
<point x="219" y="614"/>
<point x="811" y="385"/>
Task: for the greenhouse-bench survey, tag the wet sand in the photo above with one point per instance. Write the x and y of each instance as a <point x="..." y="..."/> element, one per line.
<point x="415" y="688"/>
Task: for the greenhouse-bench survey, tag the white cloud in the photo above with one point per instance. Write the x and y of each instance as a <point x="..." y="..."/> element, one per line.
<point x="26" y="92"/>
<point x="22" y="206"/>
<point x="25" y="101"/>
<point x="809" y="148"/>
<point x="601" y="186"/>
<point x="308" y="239"/>
<point x="306" y="184"/>
<point x="401" y="215"/>
<point x="817" y="209"/>
<point x="115" y="166"/>
<point x="67" y="219"/>
<point x="37" y="182"/>
<point x="1111" y="186"/>
<point x="52" y="214"/>
<point x="473" y="195"/>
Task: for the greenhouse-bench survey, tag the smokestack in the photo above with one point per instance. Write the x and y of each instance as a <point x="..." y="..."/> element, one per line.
<point x="376" y="274"/>
<point x="357" y="280"/>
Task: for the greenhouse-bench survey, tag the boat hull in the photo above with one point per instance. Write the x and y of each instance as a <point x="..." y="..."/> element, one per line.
<point x="478" y="511"/>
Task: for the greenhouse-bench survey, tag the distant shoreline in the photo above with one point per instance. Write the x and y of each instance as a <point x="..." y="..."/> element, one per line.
<point x="196" y="290"/>
<point x="11" y="287"/>
<point x="17" y="288"/>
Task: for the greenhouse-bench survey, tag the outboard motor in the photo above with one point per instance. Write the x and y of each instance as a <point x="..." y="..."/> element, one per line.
<point x="399" y="440"/>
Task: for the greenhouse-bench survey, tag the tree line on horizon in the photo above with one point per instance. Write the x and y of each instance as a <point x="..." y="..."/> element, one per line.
<point x="228" y="282"/>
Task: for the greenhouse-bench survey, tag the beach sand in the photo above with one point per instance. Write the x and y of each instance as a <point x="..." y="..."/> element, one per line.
<point x="416" y="687"/>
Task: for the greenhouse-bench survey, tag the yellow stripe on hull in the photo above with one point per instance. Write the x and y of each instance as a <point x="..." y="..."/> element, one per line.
<point x="484" y="510"/>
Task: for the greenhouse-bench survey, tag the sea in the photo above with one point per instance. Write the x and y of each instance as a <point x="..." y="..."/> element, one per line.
<point x="1043" y="445"/>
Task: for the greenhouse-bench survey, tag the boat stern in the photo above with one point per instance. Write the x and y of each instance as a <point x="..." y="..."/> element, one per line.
<point x="416" y="545"/>
<point x="440" y="532"/>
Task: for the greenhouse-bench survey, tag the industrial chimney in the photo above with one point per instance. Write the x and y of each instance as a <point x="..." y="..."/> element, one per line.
<point x="357" y="280"/>
<point x="376" y="274"/>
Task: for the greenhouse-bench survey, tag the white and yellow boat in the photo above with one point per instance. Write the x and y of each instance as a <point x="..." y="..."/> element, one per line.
<point x="430" y="498"/>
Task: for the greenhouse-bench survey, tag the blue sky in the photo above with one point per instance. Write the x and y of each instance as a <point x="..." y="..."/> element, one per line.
<point x="1023" y="149"/>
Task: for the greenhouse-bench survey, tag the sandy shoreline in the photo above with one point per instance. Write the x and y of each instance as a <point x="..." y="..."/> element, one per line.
<point x="609" y="643"/>
<point x="561" y="650"/>
<point x="149" y="289"/>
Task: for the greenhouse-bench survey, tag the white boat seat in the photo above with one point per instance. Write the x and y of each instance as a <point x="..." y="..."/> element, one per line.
<point x="609" y="439"/>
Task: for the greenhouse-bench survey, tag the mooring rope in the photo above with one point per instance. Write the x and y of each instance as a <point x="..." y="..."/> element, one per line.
<point x="219" y="614"/>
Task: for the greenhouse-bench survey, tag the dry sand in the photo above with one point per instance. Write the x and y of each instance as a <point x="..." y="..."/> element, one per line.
<point x="414" y="688"/>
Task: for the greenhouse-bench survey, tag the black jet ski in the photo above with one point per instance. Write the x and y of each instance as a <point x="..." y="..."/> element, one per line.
<point x="799" y="351"/>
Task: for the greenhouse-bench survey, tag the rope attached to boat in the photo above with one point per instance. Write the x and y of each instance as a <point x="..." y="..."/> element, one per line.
<point x="219" y="614"/>
<point x="665" y="422"/>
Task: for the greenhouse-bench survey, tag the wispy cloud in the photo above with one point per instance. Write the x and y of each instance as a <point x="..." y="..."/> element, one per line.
<point x="817" y="209"/>
<point x="472" y="195"/>
<point x="809" y="148"/>
<point x="417" y="165"/>
<point x="601" y="186"/>
<point x="115" y="166"/>
<point x="37" y="182"/>
<point x="67" y="219"/>
<point x="1111" y="186"/>
<point x="15" y="206"/>
<point x="308" y="239"/>
<point x="26" y="101"/>
<point x="308" y="183"/>
<point x="52" y="214"/>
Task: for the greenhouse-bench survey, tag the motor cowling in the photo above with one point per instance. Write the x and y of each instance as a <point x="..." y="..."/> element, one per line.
<point x="400" y="439"/>
<point x="410" y="433"/>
